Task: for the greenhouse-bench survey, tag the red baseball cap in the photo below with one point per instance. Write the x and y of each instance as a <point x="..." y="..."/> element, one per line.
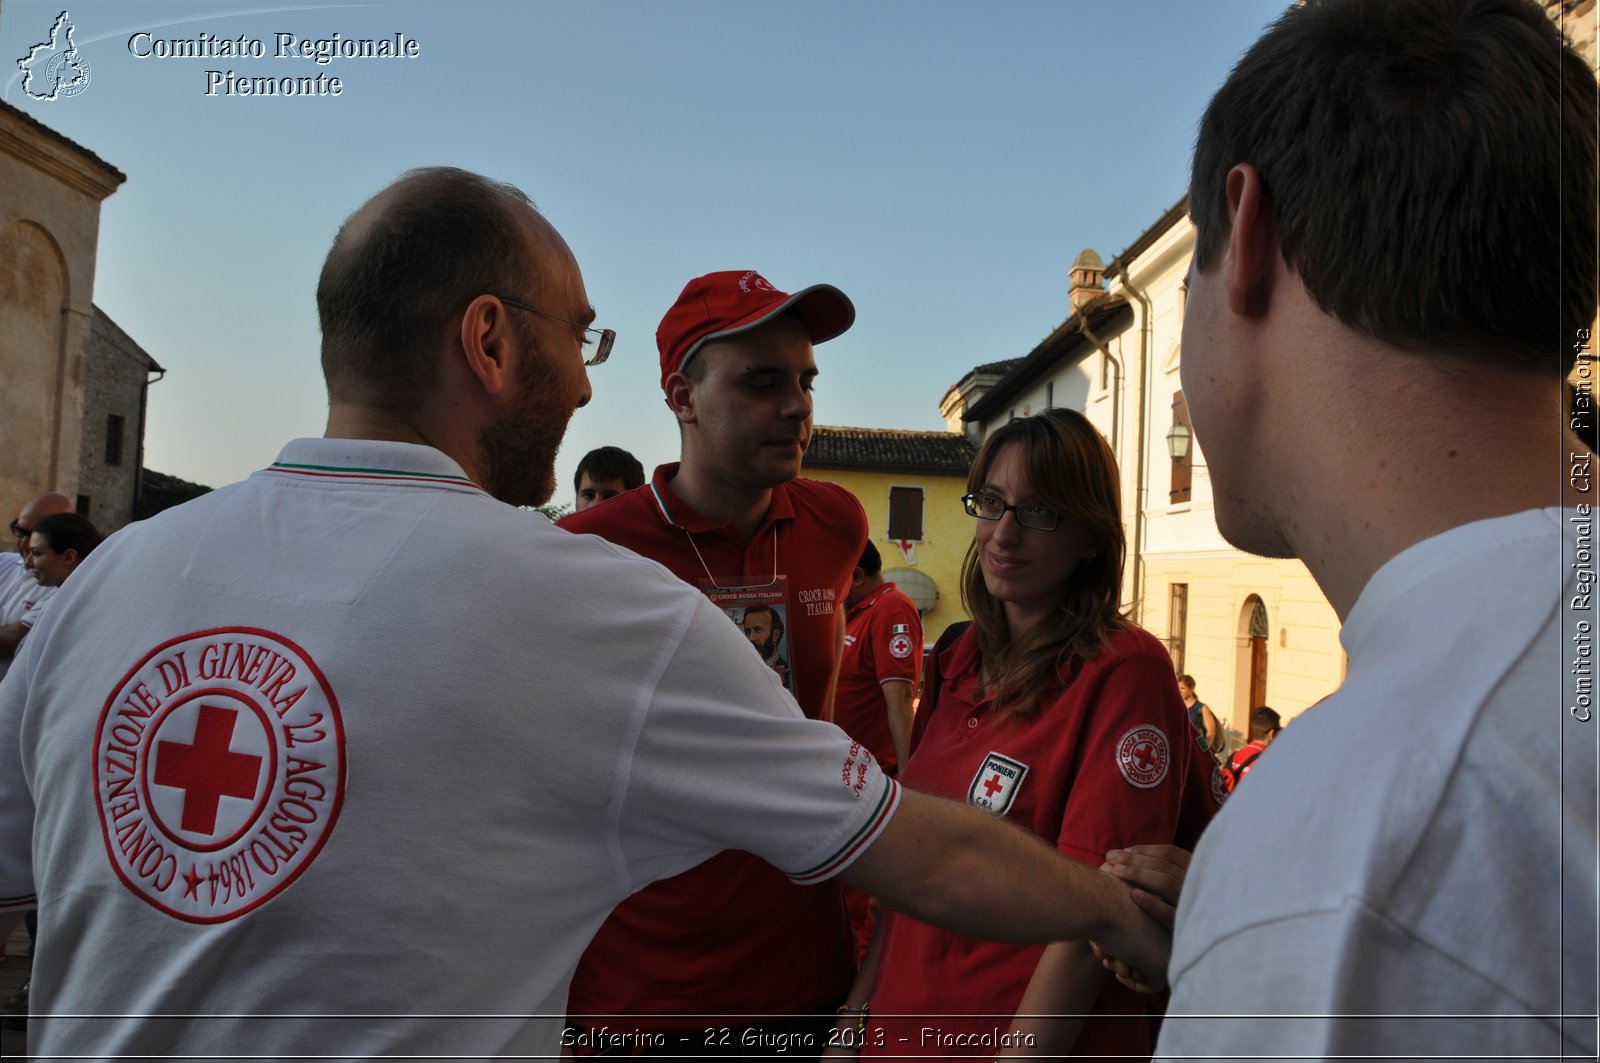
<point x="738" y="300"/>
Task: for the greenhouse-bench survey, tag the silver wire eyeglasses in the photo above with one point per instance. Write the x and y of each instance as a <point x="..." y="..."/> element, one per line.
<point x="603" y="344"/>
<point x="993" y="507"/>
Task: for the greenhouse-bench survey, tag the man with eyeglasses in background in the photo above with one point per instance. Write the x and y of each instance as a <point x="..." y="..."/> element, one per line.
<point x="310" y="798"/>
<point x="20" y="593"/>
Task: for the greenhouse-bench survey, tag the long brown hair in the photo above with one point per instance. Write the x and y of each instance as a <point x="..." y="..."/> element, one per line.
<point x="1071" y="469"/>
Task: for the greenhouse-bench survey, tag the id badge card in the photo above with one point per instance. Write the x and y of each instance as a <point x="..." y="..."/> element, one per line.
<point x="762" y="613"/>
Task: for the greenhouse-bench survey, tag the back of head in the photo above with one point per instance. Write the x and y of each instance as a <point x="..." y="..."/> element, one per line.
<point x="44" y="505"/>
<point x="604" y="464"/>
<point x="871" y="562"/>
<point x="69" y="531"/>
<point x="1431" y="168"/>
<point x="1263" y="721"/>
<point x="402" y="266"/>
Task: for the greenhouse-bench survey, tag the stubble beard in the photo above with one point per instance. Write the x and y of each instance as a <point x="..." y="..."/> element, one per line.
<point x="519" y="453"/>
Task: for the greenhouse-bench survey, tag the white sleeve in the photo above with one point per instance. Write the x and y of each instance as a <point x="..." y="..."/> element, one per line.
<point x="16" y="799"/>
<point x="725" y="759"/>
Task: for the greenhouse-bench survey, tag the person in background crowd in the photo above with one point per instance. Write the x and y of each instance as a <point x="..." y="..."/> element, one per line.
<point x="19" y="591"/>
<point x="605" y="472"/>
<point x="877" y="684"/>
<point x="58" y="545"/>
<point x="1264" y="726"/>
<point x="1201" y="716"/>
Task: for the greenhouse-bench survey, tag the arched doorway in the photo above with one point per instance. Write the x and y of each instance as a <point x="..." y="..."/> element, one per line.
<point x="1251" y="674"/>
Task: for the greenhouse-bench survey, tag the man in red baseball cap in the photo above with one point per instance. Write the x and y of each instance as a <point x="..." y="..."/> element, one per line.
<point x="733" y="941"/>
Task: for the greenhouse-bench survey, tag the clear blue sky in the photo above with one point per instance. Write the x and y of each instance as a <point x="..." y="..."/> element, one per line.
<point x="943" y="163"/>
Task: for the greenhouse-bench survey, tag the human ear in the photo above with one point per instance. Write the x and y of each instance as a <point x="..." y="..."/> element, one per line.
<point x="1252" y="249"/>
<point x="487" y="342"/>
<point x="680" y="398"/>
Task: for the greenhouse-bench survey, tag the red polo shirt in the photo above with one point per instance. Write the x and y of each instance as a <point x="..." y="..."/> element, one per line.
<point x="882" y="641"/>
<point x="732" y="936"/>
<point x="1109" y="761"/>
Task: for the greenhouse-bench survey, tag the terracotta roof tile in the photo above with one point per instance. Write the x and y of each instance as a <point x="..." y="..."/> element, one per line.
<point x="890" y="449"/>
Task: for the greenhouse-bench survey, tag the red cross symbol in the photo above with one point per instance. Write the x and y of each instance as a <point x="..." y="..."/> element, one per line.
<point x="993" y="785"/>
<point x="1145" y="754"/>
<point x="207" y="770"/>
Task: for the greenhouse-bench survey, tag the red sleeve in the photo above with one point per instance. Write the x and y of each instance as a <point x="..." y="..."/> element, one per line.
<point x="1131" y="762"/>
<point x="892" y="653"/>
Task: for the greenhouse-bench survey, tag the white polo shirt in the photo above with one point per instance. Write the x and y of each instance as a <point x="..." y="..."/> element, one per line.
<point x="351" y="759"/>
<point x="20" y="593"/>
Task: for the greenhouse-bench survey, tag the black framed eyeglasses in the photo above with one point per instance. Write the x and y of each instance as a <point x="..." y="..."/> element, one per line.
<point x="19" y="531"/>
<point x="603" y="340"/>
<point x="1029" y="515"/>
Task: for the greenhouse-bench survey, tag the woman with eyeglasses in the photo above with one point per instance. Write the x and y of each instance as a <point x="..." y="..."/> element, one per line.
<point x="1057" y="713"/>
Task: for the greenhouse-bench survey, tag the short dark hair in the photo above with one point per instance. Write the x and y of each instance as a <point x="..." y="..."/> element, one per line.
<point x="392" y="281"/>
<point x="1431" y="168"/>
<point x="1263" y="721"/>
<point x="69" y="531"/>
<point x="609" y="463"/>
<point x="871" y="562"/>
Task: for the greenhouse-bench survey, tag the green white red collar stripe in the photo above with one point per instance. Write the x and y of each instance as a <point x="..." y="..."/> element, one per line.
<point x="661" y="504"/>
<point x="340" y="472"/>
<point x="888" y="800"/>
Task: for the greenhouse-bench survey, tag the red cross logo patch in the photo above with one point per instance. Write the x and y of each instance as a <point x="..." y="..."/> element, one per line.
<point x="900" y="646"/>
<point x="219" y="770"/>
<point x="1143" y="755"/>
<point x="996" y="784"/>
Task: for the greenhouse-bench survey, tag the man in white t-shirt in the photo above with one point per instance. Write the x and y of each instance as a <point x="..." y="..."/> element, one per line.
<point x="273" y="809"/>
<point x="1394" y="268"/>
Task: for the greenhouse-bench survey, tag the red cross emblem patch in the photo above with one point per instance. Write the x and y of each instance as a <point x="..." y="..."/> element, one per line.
<point x="1219" y="786"/>
<point x="1144" y="756"/>
<point x="219" y="771"/>
<point x="996" y="784"/>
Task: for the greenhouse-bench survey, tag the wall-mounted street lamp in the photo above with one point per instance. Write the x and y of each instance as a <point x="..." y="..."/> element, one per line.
<point x="1178" y="442"/>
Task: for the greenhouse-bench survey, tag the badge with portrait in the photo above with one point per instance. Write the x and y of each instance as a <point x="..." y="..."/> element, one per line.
<point x="762" y="613"/>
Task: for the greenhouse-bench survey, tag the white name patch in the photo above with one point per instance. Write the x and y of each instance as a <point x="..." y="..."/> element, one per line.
<point x="995" y="786"/>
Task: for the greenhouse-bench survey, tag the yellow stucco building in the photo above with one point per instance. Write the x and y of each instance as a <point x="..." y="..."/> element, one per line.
<point x="910" y="484"/>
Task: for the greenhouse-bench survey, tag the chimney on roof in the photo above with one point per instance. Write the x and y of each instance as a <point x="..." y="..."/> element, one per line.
<point x="1088" y="274"/>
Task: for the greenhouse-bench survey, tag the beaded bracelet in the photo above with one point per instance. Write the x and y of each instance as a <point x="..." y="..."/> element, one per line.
<point x="859" y="1011"/>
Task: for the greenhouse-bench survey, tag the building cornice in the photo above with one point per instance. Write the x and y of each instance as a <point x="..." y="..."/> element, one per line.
<point x="47" y="151"/>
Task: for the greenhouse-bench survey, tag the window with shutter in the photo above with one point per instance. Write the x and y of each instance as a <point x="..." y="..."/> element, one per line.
<point x="905" y="514"/>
